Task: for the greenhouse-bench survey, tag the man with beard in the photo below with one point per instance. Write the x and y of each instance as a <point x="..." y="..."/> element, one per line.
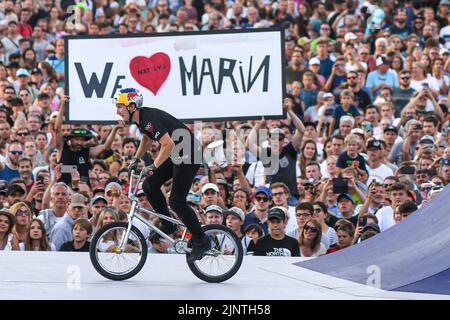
<point x="73" y="149"/>
<point x="9" y="93"/>
<point x="295" y="71"/>
<point x="360" y="97"/>
<point x="9" y="169"/>
<point x="400" y="26"/>
<point x="25" y="167"/>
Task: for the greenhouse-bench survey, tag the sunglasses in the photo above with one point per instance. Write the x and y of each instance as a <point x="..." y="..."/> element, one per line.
<point x="278" y="194"/>
<point x="312" y="229"/>
<point x="405" y="78"/>
<point x="22" y="134"/>
<point x="14" y="152"/>
<point x="264" y="199"/>
<point x="22" y="213"/>
<point x="387" y="185"/>
<point x="317" y="210"/>
<point x="351" y="78"/>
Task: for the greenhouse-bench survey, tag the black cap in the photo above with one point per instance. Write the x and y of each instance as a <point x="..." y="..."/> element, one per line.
<point x="391" y="127"/>
<point x="43" y="95"/>
<point x="374" y="144"/>
<point x="15" y="188"/>
<point x="3" y="186"/>
<point x="276" y="213"/>
<point x="372" y="226"/>
<point x="36" y="71"/>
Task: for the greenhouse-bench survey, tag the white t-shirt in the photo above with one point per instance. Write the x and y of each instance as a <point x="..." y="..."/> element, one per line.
<point x="379" y="174"/>
<point x="385" y="218"/>
<point x="322" y="250"/>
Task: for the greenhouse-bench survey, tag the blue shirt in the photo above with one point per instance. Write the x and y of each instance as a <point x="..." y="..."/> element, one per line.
<point x="251" y="218"/>
<point x="309" y="98"/>
<point x="326" y="65"/>
<point x="62" y="231"/>
<point x="375" y="78"/>
<point x="339" y="112"/>
<point x="8" y="174"/>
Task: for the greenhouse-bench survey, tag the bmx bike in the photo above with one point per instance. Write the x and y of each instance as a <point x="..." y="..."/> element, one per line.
<point x="119" y="250"/>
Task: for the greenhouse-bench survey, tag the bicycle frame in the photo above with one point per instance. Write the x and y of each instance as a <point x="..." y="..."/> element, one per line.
<point x="134" y="213"/>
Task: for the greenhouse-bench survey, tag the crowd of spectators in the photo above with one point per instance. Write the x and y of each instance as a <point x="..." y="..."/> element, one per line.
<point x="364" y="144"/>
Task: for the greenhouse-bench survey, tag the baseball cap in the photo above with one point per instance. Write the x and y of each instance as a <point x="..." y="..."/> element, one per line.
<point x="371" y="226"/>
<point x="350" y="36"/>
<point x="303" y="40"/>
<point x="381" y="60"/>
<point x="43" y="95"/>
<point x="97" y="198"/>
<point x="198" y="177"/>
<point x="78" y="200"/>
<point x="110" y="185"/>
<point x="235" y="211"/>
<point x="328" y="95"/>
<point x="444" y="51"/>
<point x="314" y="60"/>
<point x="36" y="71"/>
<point x="391" y="127"/>
<point x="427" y="139"/>
<point x="210" y="186"/>
<point x="15" y="188"/>
<point x="444" y="2"/>
<point x="22" y="73"/>
<point x="276" y="213"/>
<point x="345" y="195"/>
<point x="213" y="207"/>
<point x="357" y="131"/>
<point x="264" y="190"/>
<point x="374" y="144"/>
<point x="3" y="186"/>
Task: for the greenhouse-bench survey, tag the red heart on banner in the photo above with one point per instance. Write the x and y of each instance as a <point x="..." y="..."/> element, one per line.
<point x="151" y="72"/>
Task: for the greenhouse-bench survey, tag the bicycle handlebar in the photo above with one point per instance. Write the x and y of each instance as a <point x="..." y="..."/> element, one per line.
<point x="132" y="191"/>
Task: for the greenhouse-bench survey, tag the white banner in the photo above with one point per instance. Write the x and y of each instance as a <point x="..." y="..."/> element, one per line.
<point x="208" y="76"/>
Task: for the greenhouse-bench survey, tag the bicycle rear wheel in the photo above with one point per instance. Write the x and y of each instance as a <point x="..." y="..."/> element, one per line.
<point x="223" y="260"/>
<point x="109" y="260"/>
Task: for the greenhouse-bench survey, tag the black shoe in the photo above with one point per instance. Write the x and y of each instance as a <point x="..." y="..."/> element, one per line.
<point x="199" y="248"/>
<point x="168" y="228"/>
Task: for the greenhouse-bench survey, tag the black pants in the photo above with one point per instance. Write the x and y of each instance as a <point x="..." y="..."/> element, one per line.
<point x="182" y="175"/>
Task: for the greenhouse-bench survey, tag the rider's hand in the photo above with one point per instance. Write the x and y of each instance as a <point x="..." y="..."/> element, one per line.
<point x="134" y="164"/>
<point x="149" y="169"/>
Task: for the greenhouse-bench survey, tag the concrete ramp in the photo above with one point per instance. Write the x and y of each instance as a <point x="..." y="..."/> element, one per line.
<point x="413" y="255"/>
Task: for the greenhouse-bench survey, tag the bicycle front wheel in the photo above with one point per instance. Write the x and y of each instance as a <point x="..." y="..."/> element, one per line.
<point x="225" y="257"/>
<point x="109" y="260"/>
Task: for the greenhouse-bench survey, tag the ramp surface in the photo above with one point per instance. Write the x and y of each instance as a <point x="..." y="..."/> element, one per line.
<point x="413" y="255"/>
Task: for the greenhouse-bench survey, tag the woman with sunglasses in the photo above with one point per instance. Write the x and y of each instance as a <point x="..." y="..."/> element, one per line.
<point x="309" y="239"/>
<point x="23" y="217"/>
<point x="36" y="239"/>
<point x="321" y="215"/>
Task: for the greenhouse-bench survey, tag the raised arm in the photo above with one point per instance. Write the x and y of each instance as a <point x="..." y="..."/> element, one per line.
<point x="94" y="152"/>
<point x="300" y="128"/>
<point x="59" y="139"/>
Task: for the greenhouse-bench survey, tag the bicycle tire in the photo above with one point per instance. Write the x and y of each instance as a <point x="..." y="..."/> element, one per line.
<point x="209" y="229"/>
<point x="93" y="252"/>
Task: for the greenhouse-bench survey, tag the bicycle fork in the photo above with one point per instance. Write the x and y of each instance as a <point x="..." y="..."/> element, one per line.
<point x="124" y="239"/>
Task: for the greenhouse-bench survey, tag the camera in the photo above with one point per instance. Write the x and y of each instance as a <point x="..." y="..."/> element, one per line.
<point x="407" y="170"/>
<point x="194" y="198"/>
<point x="362" y="221"/>
<point x="340" y="185"/>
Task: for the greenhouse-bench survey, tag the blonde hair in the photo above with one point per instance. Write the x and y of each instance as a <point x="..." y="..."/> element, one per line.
<point x="353" y="138"/>
<point x="315" y="245"/>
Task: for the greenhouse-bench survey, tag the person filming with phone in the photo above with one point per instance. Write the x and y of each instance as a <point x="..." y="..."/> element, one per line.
<point x="72" y="149"/>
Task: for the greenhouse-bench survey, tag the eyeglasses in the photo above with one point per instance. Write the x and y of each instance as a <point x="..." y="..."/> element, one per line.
<point x="264" y="199"/>
<point x="298" y="215"/>
<point x="16" y="152"/>
<point x="312" y="229"/>
<point x="317" y="210"/>
<point x="278" y="194"/>
<point x="22" y="213"/>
